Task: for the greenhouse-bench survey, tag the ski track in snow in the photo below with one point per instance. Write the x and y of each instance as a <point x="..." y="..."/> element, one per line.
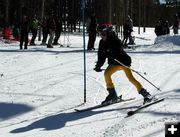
<point x="116" y="129"/>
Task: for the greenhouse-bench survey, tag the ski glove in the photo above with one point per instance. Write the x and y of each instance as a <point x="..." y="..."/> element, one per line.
<point x="97" y="69"/>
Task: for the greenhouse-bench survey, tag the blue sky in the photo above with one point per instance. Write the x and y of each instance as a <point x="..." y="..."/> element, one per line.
<point x="162" y="1"/>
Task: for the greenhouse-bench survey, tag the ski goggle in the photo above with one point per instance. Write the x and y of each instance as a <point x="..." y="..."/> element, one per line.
<point x="103" y="33"/>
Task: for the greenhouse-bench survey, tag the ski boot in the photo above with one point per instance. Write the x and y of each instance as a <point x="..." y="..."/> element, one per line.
<point x="49" y="46"/>
<point x="112" y="97"/>
<point x="25" y="47"/>
<point x="147" y="96"/>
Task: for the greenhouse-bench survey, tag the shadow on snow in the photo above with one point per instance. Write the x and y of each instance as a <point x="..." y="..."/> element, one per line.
<point x="9" y="110"/>
<point x="58" y="121"/>
<point x="81" y="51"/>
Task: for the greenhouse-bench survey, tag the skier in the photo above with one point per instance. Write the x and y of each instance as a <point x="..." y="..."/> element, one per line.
<point x="110" y="47"/>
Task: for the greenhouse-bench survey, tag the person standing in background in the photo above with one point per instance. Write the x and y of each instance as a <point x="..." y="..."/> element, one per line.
<point x="44" y="26"/>
<point x="34" y="28"/>
<point x="126" y="34"/>
<point x="51" y="29"/>
<point x="16" y="32"/>
<point x="92" y="32"/>
<point x="24" y="30"/>
<point x="176" y="24"/>
<point x="129" y="21"/>
<point x="58" y="30"/>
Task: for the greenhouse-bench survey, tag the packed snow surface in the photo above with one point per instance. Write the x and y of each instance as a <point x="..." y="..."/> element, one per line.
<point x="40" y="88"/>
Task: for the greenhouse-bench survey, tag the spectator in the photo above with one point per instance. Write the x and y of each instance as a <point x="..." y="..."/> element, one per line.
<point x="45" y="32"/>
<point x="130" y="22"/>
<point x="126" y="34"/>
<point x="92" y="32"/>
<point x="24" y="28"/>
<point x="176" y="24"/>
<point x="34" y="28"/>
<point x="1" y="32"/>
<point x="16" y="32"/>
<point x="159" y="28"/>
<point x="51" y="30"/>
<point x="162" y="27"/>
<point x="166" y="29"/>
<point x="7" y="32"/>
<point x="58" y="30"/>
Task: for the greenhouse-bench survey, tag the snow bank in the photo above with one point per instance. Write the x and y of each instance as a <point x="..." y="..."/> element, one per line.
<point x="175" y="39"/>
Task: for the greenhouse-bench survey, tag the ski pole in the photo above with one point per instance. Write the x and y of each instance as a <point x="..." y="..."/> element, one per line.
<point x="129" y="67"/>
<point x="137" y="73"/>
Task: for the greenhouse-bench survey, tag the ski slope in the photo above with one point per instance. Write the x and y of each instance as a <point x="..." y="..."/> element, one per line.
<point x="40" y="88"/>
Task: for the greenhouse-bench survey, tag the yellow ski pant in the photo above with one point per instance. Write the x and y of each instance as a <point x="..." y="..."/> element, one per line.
<point x="111" y="69"/>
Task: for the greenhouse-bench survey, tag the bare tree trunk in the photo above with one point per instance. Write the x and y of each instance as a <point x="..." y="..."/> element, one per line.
<point x="7" y="11"/>
<point x="110" y="11"/>
<point x="131" y="8"/>
<point x="42" y="15"/>
<point x="144" y="16"/>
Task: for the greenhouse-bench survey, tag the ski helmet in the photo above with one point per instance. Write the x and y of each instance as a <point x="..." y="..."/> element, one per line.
<point x="104" y="27"/>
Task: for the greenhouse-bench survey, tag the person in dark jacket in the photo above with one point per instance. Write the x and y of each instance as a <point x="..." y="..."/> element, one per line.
<point x="176" y="24"/>
<point x="166" y="29"/>
<point x="159" y="28"/>
<point x="44" y="26"/>
<point x="24" y="30"/>
<point x="92" y="32"/>
<point x="162" y="28"/>
<point x="110" y="47"/>
<point x="34" y="28"/>
<point x="58" y="30"/>
<point x="126" y="34"/>
<point x="129" y="21"/>
<point x="16" y="32"/>
<point x="127" y="30"/>
<point x="51" y="30"/>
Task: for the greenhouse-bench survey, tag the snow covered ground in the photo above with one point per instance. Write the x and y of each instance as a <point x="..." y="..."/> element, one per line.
<point x="40" y="88"/>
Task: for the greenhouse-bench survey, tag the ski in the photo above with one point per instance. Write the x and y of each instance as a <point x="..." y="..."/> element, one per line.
<point x="130" y="113"/>
<point x="104" y="105"/>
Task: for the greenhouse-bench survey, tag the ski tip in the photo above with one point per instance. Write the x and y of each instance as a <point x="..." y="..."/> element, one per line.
<point x="159" y="99"/>
<point x="130" y="113"/>
<point x="77" y="110"/>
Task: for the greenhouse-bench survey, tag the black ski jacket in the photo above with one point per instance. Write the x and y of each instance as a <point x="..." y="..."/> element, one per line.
<point x="112" y="49"/>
